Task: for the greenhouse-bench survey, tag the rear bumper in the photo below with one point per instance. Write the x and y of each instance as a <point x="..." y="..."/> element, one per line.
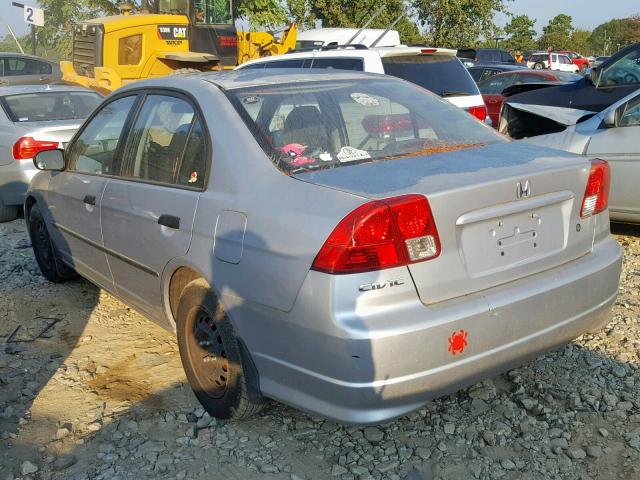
<point x="14" y="181"/>
<point x="402" y="365"/>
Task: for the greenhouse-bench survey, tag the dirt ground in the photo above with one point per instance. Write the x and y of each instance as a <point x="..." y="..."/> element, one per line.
<point x="91" y="390"/>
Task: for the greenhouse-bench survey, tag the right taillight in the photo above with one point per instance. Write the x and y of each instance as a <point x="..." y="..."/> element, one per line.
<point x="27" y="147"/>
<point x="596" y="195"/>
<point x="381" y="234"/>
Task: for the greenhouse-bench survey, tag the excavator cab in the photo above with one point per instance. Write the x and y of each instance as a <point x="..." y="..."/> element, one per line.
<point x="211" y="26"/>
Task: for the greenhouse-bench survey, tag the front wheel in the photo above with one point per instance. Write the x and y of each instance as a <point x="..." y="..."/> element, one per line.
<point x="220" y="375"/>
<point x="538" y="66"/>
<point x="44" y="249"/>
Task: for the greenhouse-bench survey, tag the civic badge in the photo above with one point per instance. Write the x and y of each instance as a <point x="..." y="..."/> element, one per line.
<point x="523" y="189"/>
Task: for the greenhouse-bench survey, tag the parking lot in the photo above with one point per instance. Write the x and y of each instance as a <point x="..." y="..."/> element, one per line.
<point x="90" y="389"/>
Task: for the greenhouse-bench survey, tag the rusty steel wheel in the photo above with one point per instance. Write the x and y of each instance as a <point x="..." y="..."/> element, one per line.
<point x="219" y="371"/>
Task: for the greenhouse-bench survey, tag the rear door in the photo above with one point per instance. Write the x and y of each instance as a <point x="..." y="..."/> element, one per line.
<point x="148" y="209"/>
<point x="621" y="148"/>
<point x="75" y="195"/>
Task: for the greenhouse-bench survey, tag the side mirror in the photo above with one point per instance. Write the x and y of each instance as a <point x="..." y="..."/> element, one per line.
<point x="610" y="119"/>
<point x="49" y="160"/>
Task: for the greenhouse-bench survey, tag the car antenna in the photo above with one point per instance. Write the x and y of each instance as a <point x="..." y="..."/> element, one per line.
<point x="393" y="24"/>
<point x="375" y="15"/>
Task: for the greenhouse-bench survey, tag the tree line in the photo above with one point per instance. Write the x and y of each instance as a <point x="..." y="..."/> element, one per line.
<point x="442" y="23"/>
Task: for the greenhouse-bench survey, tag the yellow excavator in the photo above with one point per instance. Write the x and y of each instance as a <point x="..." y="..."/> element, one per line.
<point x="164" y="37"/>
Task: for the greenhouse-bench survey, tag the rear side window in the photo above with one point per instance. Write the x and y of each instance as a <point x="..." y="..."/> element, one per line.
<point x="93" y="151"/>
<point x="444" y="75"/>
<point x="507" y="58"/>
<point x="495" y="85"/>
<point x="314" y="125"/>
<point x="293" y="63"/>
<point x="339" y="63"/>
<point x="49" y="106"/>
<point x="158" y="141"/>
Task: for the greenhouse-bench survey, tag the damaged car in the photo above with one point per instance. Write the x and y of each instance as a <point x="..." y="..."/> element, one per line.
<point x="613" y="136"/>
<point x="531" y="111"/>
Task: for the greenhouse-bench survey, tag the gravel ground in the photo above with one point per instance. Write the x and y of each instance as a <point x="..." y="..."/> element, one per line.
<point x="91" y="390"/>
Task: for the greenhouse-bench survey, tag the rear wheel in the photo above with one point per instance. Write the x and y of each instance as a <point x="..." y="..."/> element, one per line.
<point x="538" y="66"/>
<point x="8" y="212"/>
<point x="44" y="250"/>
<point x="220" y="375"/>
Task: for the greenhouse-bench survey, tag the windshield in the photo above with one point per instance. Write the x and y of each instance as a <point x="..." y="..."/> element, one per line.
<point x="442" y="74"/>
<point x="206" y="12"/>
<point x="625" y="71"/>
<point x="48" y="106"/>
<point x="213" y="12"/>
<point x="330" y="124"/>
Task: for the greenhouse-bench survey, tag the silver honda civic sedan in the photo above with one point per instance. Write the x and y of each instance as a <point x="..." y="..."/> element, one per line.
<point x="346" y="243"/>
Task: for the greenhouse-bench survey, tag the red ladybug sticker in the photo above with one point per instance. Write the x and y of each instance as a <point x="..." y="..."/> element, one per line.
<point x="458" y="342"/>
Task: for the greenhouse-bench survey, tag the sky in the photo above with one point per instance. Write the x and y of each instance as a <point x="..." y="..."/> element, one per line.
<point x="586" y="13"/>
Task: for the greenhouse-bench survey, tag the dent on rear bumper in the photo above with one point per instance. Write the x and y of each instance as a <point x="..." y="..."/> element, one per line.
<point x="400" y="366"/>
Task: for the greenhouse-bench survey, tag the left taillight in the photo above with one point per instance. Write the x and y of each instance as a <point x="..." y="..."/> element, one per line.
<point x="381" y="234"/>
<point x="479" y="111"/>
<point x="26" y="147"/>
<point x="596" y="195"/>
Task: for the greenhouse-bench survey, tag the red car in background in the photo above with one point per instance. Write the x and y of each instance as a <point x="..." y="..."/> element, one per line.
<point x="492" y="88"/>
<point x="577" y="59"/>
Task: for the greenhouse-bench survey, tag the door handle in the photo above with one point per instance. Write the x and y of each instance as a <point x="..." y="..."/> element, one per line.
<point x="44" y="79"/>
<point x="90" y="199"/>
<point x="169" y="221"/>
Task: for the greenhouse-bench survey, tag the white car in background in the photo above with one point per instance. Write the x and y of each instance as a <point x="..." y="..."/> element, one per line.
<point x="552" y="61"/>
<point x="436" y="69"/>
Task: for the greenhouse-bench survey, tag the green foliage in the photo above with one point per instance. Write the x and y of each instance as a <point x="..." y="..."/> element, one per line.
<point x="459" y="23"/>
<point x="623" y="31"/>
<point x="557" y="34"/>
<point x="580" y="41"/>
<point x="521" y="33"/>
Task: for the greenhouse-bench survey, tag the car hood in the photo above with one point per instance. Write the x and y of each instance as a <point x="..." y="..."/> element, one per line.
<point x="562" y="115"/>
<point x="580" y="95"/>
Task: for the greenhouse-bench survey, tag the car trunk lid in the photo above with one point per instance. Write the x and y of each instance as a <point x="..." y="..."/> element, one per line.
<point x="502" y="211"/>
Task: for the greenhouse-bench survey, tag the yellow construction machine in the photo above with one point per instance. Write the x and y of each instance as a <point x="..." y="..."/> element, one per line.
<point x="164" y="37"/>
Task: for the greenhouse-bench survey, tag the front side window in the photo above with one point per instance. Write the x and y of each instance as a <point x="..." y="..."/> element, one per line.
<point x="50" y="106"/>
<point x="339" y="123"/>
<point x="630" y="113"/>
<point x="94" y="149"/>
<point x="625" y="71"/>
<point x="158" y="141"/>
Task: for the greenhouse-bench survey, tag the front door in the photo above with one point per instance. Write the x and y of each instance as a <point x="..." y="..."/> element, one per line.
<point x="148" y="210"/>
<point x="75" y="194"/>
<point x="620" y="147"/>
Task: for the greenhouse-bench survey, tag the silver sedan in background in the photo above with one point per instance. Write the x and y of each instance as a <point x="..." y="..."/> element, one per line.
<point x="613" y="135"/>
<point x="35" y="118"/>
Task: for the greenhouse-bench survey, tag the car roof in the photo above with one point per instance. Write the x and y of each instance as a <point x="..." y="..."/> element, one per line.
<point x="21" y="89"/>
<point x="25" y="55"/>
<point x="236" y="79"/>
<point x="354" y="52"/>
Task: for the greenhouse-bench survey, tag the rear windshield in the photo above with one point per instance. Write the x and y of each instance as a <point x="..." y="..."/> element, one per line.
<point x="442" y="74"/>
<point x="315" y="125"/>
<point x="48" y="106"/>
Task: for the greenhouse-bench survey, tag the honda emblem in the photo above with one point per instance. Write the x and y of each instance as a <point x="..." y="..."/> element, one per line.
<point x="523" y="189"/>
